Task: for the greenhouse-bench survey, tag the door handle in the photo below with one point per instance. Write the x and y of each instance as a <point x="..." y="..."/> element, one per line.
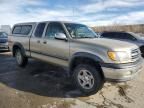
<point x="38" y="41"/>
<point x="45" y="42"/>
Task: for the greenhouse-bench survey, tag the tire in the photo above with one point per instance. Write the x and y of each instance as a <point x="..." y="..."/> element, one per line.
<point x="8" y="49"/>
<point x="143" y="55"/>
<point x="20" y="58"/>
<point x="93" y="76"/>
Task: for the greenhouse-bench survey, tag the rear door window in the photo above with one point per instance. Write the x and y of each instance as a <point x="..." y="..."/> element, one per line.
<point x="39" y="30"/>
<point x="112" y="35"/>
<point x="128" y="37"/>
<point x="108" y="35"/>
<point x="117" y="35"/>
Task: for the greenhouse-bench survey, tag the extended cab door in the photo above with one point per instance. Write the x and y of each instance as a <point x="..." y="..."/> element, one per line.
<point x="36" y="41"/>
<point x="57" y="50"/>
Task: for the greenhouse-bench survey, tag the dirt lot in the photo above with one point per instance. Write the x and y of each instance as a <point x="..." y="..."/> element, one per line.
<point x="41" y="85"/>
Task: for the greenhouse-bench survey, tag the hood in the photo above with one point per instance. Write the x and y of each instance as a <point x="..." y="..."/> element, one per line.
<point x="109" y="43"/>
<point x="142" y="39"/>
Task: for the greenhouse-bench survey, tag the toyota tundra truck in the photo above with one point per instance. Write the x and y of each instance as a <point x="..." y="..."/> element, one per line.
<point x="89" y="60"/>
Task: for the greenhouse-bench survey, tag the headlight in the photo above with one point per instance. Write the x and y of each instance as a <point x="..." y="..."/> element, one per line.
<point x="120" y="56"/>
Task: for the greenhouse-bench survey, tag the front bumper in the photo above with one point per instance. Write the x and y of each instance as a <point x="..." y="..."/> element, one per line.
<point x="122" y="72"/>
<point x="3" y="46"/>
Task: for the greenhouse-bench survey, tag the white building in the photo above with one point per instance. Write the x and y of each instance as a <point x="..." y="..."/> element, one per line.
<point x="5" y="28"/>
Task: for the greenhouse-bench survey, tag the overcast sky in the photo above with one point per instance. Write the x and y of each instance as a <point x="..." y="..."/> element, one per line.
<point x="91" y="12"/>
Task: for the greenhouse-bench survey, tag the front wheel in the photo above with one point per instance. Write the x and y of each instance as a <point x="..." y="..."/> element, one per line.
<point x="88" y="79"/>
<point x="20" y="59"/>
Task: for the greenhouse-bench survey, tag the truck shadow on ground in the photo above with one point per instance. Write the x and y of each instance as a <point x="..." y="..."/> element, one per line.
<point x="38" y="77"/>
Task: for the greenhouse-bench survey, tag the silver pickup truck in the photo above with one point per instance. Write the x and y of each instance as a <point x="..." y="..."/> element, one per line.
<point x="90" y="60"/>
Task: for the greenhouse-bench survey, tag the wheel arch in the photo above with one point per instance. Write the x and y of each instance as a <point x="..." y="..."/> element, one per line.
<point x="85" y="58"/>
<point x="18" y="46"/>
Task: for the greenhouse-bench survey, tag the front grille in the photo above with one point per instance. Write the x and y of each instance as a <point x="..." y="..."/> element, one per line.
<point x="3" y="40"/>
<point x="135" y="55"/>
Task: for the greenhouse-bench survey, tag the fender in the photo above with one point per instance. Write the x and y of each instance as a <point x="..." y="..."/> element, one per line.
<point x="20" y="46"/>
<point x="85" y="55"/>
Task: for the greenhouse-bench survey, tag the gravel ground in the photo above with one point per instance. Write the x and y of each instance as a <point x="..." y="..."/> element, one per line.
<point x="41" y="85"/>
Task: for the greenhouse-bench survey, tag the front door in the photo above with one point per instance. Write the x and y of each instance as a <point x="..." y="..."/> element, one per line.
<point x="54" y="48"/>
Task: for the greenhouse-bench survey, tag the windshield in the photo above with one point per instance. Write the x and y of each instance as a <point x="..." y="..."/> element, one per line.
<point x="80" y="31"/>
<point x="3" y="35"/>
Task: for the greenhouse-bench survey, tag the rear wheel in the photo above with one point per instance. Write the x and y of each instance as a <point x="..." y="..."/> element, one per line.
<point x="20" y="58"/>
<point x="88" y="79"/>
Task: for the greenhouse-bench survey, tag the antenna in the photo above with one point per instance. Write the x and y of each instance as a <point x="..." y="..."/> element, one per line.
<point x="73" y="11"/>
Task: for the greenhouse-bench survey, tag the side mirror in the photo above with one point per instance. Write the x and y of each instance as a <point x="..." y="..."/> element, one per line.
<point x="60" y="36"/>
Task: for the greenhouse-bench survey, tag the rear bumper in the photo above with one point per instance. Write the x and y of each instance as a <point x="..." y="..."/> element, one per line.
<point x="122" y="72"/>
